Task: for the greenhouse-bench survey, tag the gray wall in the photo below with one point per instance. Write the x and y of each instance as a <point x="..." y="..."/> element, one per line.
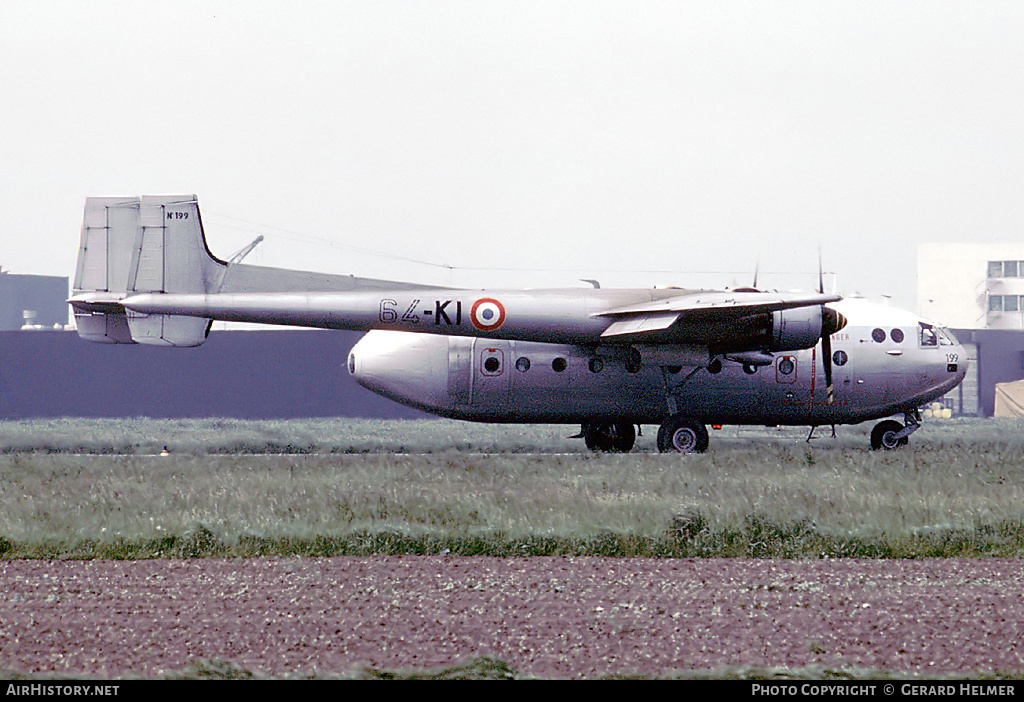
<point x="45" y="294"/>
<point x="241" y="374"/>
<point x="1000" y="360"/>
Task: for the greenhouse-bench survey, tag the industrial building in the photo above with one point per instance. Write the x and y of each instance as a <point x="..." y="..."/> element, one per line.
<point x="32" y="300"/>
<point x="47" y="371"/>
<point x="972" y="286"/>
<point x="977" y="290"/>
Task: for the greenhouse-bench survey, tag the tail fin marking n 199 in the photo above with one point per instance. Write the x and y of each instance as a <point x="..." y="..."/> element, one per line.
<point x="136" y="245"/>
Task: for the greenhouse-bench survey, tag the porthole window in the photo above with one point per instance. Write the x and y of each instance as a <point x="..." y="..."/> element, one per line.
<point x="522" y="364"/>
<point x="492" y="365"/>
<point x="786" y="365"/>
<point x="840" y="358"/>
<point x="897" y="335"/>
<point x="596" y="365"/>
<point x="558" y="365"/>
<point x="878" y="335"/>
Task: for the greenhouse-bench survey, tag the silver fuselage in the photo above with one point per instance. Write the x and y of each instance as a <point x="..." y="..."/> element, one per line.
<point x="886" y="361"/>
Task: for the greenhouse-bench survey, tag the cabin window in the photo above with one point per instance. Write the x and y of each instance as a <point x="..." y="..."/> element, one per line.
<point x="596" y="365"/>
<point x="558" y="365"/>
<point x="878" y="335"/>
<point x="522" y="364"/>
<point x="897" y="335"/>
<point x="840" y="358"/>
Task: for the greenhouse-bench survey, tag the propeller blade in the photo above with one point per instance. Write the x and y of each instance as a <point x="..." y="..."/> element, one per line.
<point x="826" y="359"/>
<point x="831" y="322"/>
<point x="821" y="275"/>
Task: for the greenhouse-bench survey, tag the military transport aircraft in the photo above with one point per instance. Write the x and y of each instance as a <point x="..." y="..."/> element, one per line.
<point x="606" y="359"/>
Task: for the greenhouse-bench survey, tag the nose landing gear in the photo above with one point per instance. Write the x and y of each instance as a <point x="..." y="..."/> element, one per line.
<point x="890" y="434"/>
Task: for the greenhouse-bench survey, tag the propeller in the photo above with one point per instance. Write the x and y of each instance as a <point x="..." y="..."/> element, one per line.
<point x="753" y="288"/>
<point x="831" y="322"/>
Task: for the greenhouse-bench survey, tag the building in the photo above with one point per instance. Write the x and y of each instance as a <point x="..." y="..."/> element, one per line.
<point x="972" y="286"/>
<point x="978" y="291"/>
<point x="975" y="289"/>
<point x="43" y="297"/>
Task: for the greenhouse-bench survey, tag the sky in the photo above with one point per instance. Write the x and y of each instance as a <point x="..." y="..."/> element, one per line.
<point x="508" y="144"/>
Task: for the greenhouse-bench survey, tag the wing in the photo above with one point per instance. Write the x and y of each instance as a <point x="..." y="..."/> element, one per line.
<point x="723" y="320"/>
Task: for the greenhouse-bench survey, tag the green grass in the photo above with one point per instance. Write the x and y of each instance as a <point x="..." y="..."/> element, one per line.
<point x="96" y="489"/>
<point x="489" y="668"/>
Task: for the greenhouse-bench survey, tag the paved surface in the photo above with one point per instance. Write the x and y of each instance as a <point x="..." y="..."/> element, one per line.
<point x="547" y="617"/>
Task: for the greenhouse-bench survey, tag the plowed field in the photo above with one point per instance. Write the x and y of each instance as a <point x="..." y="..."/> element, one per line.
<point x="546" y="617"/>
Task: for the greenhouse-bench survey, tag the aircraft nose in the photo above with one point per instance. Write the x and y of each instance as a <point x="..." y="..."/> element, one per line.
<point x="404" y="367"/>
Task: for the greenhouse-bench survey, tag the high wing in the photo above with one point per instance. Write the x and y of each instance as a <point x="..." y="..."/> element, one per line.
<point x="703" y="308"/>
<point x="145" y="275"/>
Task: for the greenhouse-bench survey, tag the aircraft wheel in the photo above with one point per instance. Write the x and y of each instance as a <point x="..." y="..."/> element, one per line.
<point x="883" y="436"/>
<point x="616" y="437"/>
<point x="682" y="434"/>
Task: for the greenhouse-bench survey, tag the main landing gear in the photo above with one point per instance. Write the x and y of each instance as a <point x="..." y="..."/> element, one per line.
<point x="683" y="434"/>
<point x="680" y="432"/>
<point x="612" y="437"/>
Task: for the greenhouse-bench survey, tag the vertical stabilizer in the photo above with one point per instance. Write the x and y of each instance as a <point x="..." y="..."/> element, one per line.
<point x="142" y="245"/>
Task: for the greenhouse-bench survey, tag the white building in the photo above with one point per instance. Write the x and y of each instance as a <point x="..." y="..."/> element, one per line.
<point x="972" y="286"/>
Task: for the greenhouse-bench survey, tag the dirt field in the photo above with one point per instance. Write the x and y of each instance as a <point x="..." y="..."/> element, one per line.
<point x="546" y="617"/>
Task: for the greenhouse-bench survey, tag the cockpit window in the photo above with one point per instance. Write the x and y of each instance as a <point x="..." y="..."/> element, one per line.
<point x="928" y="335"/>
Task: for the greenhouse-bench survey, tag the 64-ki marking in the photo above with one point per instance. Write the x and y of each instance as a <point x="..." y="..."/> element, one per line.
<point x="442" y="312"/>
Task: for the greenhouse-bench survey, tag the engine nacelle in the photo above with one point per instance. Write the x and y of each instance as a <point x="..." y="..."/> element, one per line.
<point x="794" y="329"/>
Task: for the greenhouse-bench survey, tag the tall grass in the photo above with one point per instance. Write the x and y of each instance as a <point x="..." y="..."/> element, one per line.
<point x="223" y="491"/>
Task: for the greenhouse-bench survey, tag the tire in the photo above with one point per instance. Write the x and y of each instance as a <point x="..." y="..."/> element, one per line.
<point x="882" y="436"/>
<point x="683" y="435"/>
<point x="610" y="437"/>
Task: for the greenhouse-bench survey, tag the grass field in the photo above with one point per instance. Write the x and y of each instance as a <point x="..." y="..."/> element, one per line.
<point x="99" y="489"/>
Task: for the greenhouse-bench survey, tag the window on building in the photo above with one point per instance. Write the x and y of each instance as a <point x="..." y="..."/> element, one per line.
<point x="995" y="269"/>
<point x="1011" y="303"/>
<point x="1010" y="269"/>
<point x="995" y="303"/>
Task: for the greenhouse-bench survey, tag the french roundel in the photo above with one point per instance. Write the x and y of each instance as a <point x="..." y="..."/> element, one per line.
<point x="487" y="314"/>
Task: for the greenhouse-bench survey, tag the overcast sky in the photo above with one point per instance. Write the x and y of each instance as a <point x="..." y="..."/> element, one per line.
<point x="584" y="139"/>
